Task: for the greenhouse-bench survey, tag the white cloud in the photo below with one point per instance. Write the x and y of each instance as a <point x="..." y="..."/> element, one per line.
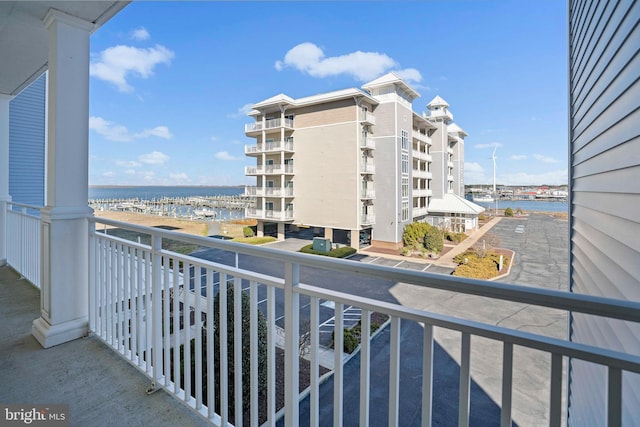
<point x="488" y="145"/>
<point x="545" y="159"/>
<point x="127" y="163"/>
<point x="159" y="131"/>
<point x="117" y="63"/>
<point x="109" y="174"/>
<point x="154" y="158"/>
<point x="179" y="178"/>
<point x="140" y="34"/>
<point x="518" y="157"/>
<point x="116" y="132"/>
<point x="363" y="66"/>
<point x="224" y="155"/>
<point x="242" y="111"/>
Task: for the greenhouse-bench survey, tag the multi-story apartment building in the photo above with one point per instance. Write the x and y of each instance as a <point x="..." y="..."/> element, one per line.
<point x="358" y="163"/>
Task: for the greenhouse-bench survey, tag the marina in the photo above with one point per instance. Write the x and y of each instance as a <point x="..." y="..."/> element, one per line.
<point x="218" y="207"/>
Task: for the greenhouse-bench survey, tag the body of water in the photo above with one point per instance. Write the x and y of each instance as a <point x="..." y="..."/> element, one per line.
<point x="156" y="193"/>
<point x="528" y="205"/>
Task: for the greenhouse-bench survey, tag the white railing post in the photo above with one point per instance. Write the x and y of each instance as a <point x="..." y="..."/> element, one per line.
<point x="292" y="337"/>
<point x="465" y="380"/>
<point x="338" y="377"/>
<point x="507" y="381"/>
<point x="427" y="376"/>
<point x="92" y="276"/>
<point x="365" y="368"/>
<point x="394" y="372"/>
<point x="155" y="314"/>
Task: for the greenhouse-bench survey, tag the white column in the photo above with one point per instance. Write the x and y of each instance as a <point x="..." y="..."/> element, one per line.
<point x="4" y="174"/>
<point x="64" y="292"/>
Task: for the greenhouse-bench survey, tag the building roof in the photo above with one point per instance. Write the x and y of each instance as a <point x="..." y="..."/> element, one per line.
<point x="282" y="99"/>
<point x="452" y="203"/>
<point x="391" y="79"/>
<point x="454" y="128"/>
<point x="437" y="102"/>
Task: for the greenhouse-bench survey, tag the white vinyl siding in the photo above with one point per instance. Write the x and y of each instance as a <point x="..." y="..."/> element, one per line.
<point x="605" y="192"/>
<point x="27" y="144"/>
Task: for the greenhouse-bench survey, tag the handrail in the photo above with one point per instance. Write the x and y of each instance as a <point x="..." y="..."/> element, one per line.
<point x="580" y="303"/>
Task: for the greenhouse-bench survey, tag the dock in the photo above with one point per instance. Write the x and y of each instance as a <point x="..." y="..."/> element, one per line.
<point x="207" y="207"/>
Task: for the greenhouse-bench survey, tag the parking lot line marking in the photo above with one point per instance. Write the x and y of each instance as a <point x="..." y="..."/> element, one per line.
<point x="398" y="264"/>
<point x="428" y="265"/>
<point x="373" y="260"/>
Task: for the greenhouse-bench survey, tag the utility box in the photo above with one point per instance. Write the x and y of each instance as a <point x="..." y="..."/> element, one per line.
<point x="321" y="244"/>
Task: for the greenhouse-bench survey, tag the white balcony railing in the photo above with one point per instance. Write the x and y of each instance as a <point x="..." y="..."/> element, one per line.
<point x="145" y="302"/>
<point x="367" y="143"/>
<point x="368" y="118"/>
<point x="23" y="240"/>
<point x="368" y="219"/>
<point x="268" y="147"/>
<point x="268" y="124"/>
<point x="367" y="167"/>
<point x="368" y="193"/>
<point x="419" y="212"/>
<point x="268" y="214"/>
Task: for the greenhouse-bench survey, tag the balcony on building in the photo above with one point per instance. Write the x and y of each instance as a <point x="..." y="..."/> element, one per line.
<point x="367" y="143"/>
<point x="256" y="128"/>
<point x="367" y="167"/>
<point x="269" y="214"/>
<point x="366" y="118"/>
<point x="368" y="193"/>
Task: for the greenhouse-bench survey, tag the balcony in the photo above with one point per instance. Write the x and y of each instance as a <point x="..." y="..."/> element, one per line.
<point x="274" y="169"/>
<point x="254" y="129"/>
<point x="419" y="212"/>
<point x="268" y="147"/>
<point x="137" y="293"/>
<point x="419" y="136"/>
<point x="421" y="192"/>
<point x="421" y="155"/>
<point x="367" y="143"/>
<point x="269" y="214"/>
<point x="368" y="219"/>
<point x="367" y="168"/>
<point x="420" y="173"/>
<point x="368" y="119"/>
<point x="368" y="193"/>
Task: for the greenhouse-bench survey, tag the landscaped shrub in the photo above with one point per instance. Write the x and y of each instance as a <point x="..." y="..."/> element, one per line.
<point x="413" y="235"/>
<point x="474" y="266"/>
<point x="255" y="240"/>
<point x="508" y="212"/>
<point x="248" y="231"/>
<point x="420" y="236"/>
<point x="455" y="237"/>
<point x="433" y="240"/>
<point x="341" y="252"/>
<point x="350" y="341"/>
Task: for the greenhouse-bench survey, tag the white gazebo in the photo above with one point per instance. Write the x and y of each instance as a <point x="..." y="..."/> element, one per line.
<point x="54" y="36"/>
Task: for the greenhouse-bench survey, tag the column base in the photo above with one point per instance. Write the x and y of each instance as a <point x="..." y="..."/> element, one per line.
<point x="51" y="335"/>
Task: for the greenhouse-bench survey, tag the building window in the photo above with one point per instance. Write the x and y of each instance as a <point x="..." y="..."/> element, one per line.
<point x="405" y="164"/>
<point x="405" y="211"/>
<point x="405" y="187"/>
<point x="405" y="140"/>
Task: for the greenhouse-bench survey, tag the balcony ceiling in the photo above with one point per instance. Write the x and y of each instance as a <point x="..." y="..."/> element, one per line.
<point x="24" y="38"/>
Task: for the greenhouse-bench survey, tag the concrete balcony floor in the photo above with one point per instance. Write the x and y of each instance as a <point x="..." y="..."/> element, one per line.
<point x="100" y="387"/>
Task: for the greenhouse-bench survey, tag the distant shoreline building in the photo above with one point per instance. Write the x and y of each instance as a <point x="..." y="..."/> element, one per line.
<point x="358" y="163"/>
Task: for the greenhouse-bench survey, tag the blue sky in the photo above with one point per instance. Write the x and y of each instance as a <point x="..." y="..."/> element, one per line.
<point x="171" y="82"/>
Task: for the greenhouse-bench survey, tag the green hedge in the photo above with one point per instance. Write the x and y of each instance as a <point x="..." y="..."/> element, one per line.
<point x="255" y="240"/>
<point x="341" y="252"/>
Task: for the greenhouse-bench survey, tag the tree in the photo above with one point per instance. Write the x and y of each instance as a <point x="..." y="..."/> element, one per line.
<point x="508" y="212"/>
